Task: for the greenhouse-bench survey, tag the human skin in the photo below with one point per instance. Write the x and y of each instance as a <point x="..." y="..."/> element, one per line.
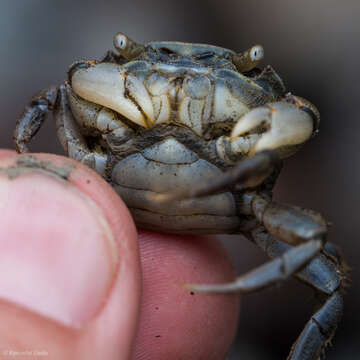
<point x="78" y="282"/>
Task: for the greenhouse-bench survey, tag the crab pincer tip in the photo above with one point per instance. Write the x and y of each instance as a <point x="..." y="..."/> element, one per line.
<point x="190" y="287"/>
<point x="198" y="288"/>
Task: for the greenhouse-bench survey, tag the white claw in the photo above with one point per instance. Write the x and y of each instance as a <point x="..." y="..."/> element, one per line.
<point x="285" y="126"/>
<point x="139" y="93"/>
<point x="108" y="85"/>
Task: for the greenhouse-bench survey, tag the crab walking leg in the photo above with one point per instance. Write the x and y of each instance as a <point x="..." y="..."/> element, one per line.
<point x="288" y="223"/>
<point x="268" y="274"/>
<point x="247" y="173"/>
<point x="326" y="273"/>
<point x="33" y="117"/>
<point x="71" y="138"/>
<point x="319" y="330"/>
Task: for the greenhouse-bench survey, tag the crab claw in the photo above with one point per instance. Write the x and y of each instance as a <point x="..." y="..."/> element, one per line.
<point x="282" y="126"/>
<point x="110" y="85"/>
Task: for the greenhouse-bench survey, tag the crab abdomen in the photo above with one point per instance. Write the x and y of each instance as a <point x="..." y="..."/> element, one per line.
<point x="170" y="166"/>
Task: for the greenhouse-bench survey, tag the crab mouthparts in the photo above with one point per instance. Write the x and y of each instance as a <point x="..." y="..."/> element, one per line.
<point x="111" y="86"/>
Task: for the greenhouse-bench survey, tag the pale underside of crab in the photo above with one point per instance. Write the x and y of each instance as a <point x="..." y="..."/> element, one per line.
<point x="191" y="136"/>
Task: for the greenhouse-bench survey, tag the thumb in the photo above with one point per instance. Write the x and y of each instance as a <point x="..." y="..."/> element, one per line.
<point x="69" y="267"/>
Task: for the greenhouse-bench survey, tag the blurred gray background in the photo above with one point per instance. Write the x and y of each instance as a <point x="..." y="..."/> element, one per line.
<point x="314" y="45"/>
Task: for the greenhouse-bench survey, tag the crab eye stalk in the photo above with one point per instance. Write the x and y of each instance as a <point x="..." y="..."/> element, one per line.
<point x="248" y="59"/>
<point x="120" y="42"/>
<point x="128" y="48"/>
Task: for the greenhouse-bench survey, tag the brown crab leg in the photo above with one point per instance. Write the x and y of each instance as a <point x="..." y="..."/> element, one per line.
<point x="323" y="271"/>
<point x="288" y="223"/>
<point x="326" y="273"/>
<point x="319" y="330"/>
<point x="33" y="117"/>
<point x="268" y="274"/>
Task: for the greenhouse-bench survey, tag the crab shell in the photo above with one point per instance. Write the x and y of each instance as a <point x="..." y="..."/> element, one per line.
<point x="196" y="90"/>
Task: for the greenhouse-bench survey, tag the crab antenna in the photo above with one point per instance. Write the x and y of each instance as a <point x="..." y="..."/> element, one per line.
<point x="128" y="48"/>
<point x="248" y="59"/>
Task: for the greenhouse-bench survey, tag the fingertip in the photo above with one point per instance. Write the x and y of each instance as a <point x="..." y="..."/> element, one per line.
<point x="5" y="153"/>
<point x="176" y="322"/>
<point x="108" y="328"/>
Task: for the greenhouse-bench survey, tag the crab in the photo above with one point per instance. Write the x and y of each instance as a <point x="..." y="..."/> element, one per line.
<point x="192" y="137"/>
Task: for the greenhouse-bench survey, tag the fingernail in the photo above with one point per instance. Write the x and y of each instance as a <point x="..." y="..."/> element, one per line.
<point x="58" y="256"/>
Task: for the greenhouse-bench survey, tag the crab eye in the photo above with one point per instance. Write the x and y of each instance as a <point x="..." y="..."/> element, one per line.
<point x="120" y="41"/>
<point x="256" y="53"/>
